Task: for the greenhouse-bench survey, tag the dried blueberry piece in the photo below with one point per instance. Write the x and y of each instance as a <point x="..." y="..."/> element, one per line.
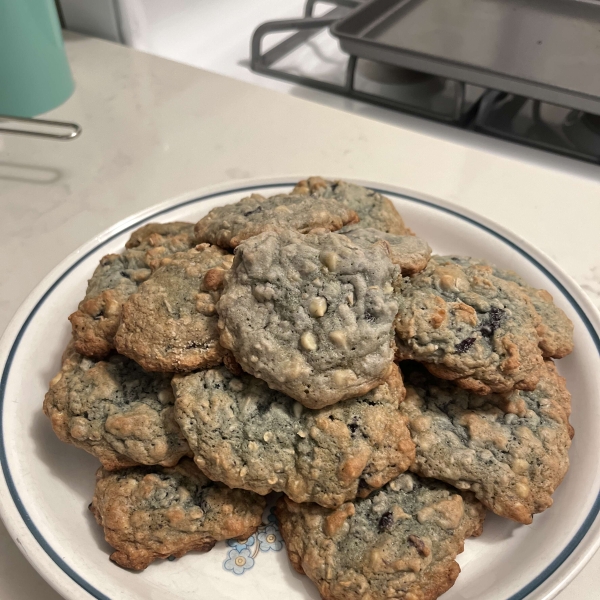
<point x="419" y="545"/>
<point x="254" y="211"/>
<point x="465" y="345"/>
<point x="200" y="500"/>
<point x="386" y="521"/>
<point x="171" y="558"/>
<point x="495" y="317"/>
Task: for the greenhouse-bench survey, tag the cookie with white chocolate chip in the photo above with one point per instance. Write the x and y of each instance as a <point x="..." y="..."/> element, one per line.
<point x="409" y="252"/>
<point x="118" y="276"/>
<point x="150" y="513"/>
<point x="115" y="411"/>
<point x="170" y="323"/>
<point x="510" y="450"/>
<point x="400" y="542"/>
<point x="248" y="436"/>
<point x="467" y="325"/>
<point x="311" y="315"/>
<point x="229" y="225"/>
<point x="555" y="330"/>
<point x="373" y="209"/>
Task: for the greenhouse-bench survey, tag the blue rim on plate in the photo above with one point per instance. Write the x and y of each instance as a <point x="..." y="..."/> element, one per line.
<point x="520" y="595"/>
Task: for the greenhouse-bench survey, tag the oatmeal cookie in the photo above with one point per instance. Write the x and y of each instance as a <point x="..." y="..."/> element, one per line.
<point x="170" y="323"/>
<point x="469" y="326"/>
<point x="555" y="329"/>
<point x="227" y="226"/>
<point x="161" y="239"/>
<point x="154" y="512"/>
<point x="400" y="542"/>
<point x="373" y="209"/>
<point x="115" y="411"/>
<point x="117" y="276"/>
<point x="510" y="450"/>
<point x="248" y="436"/>
<point x="310" y="314"/>
<point x="409" y="252"/>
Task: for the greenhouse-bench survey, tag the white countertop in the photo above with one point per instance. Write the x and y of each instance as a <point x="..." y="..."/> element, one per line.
<point x="154" y="129"/>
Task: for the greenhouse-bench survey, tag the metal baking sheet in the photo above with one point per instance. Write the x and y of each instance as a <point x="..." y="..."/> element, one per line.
<point x="548" y="50"/>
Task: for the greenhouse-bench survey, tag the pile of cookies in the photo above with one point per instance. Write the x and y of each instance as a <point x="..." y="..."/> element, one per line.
<point x="309" y="344"/>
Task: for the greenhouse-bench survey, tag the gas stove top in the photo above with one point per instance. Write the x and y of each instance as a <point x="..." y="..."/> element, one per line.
<point x="303" y="51"/>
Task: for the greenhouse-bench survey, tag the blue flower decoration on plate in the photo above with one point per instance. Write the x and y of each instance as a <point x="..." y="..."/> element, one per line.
<point x="270" y="539"/>
<point x="239" y="561"/>
<point x="239" y="546"/>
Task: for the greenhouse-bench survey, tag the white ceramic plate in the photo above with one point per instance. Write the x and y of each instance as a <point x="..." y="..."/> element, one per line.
<point x="46" y="485"/>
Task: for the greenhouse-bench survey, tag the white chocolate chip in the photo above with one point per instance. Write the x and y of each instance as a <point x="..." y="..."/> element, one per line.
<point x="329" y="259"/>
<point x="248" y="404"/>
<point x="405" y="483"/>
<point x="308" y="341"/>
<point x="520" y="466"/>
<point x="339" y="339"/>
<point x="196" y="512"/>
<point x="343" y="377"/>
<point x="522" y="490"/>
<point x="166" y="396"/>
<point x="293" y="369"/>
<point x="268" y="437"/>
<point x="297" y="409"/>
<point x="263" y="293"/>
<point x="421" y="423"/>
<point x="317" y="307"/>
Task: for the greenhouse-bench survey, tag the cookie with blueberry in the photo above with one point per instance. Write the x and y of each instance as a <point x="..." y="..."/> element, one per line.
<point x="399" y="542"/>
<point x="470" y="326"/>
<point x="170" y="323"/>
<point x="227" y="226"/>
<point x="312" y="315"/>
<point x="373" y="209"/>
<point x="511" y="450"/>
<point x="149" y="513"/>
<point x="249" y="436"/>
<point x="555" y="330"/>
<point x="97" y="318"/>
<point x="409" y="252"/>
<point x="115" y="410"/>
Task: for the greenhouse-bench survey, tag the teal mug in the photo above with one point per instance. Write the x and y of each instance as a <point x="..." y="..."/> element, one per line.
<point x="34" y="72"/>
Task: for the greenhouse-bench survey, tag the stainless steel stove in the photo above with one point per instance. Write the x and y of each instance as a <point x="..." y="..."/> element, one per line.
<point x="505" y="93"/>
